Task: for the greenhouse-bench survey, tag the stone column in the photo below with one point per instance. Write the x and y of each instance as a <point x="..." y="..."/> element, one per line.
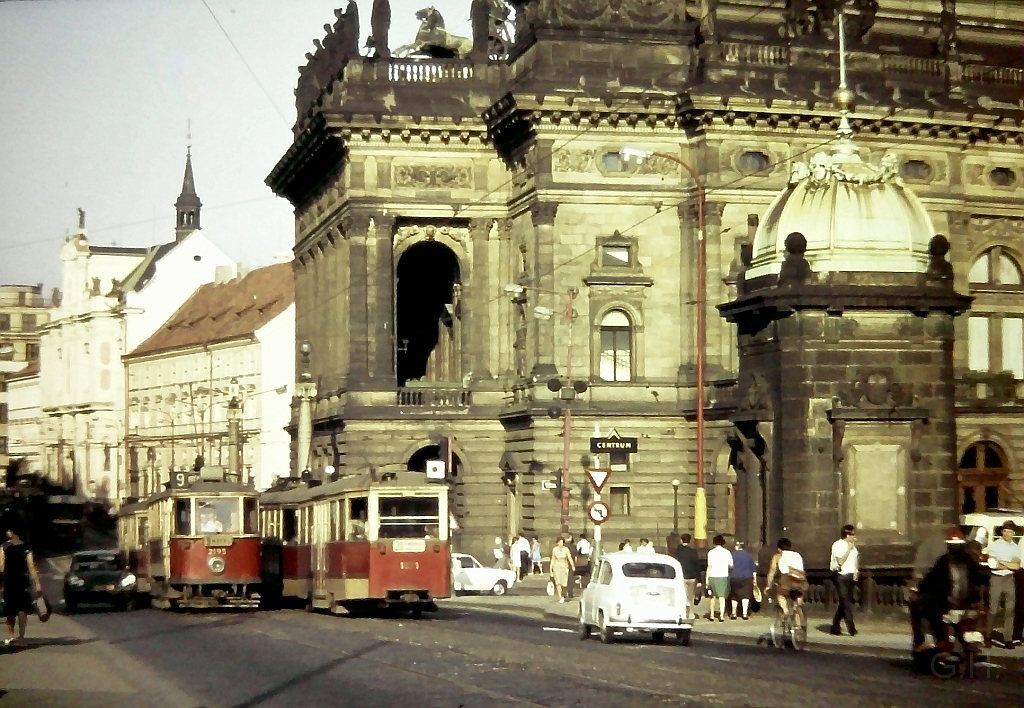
<point x="381" y="301"/>
<point x="305" y="392"/>
<point x="687" y="291"/>
<point x="543" y="214"/>
<point x="355" y="227"/>
<point x="717" y="356"/>
<point x="476" y="345"/>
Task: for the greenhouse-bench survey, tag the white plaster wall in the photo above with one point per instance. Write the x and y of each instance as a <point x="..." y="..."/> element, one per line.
<point x="23" y="427"/>
<point x="277" y="352"/>
<point x="178" y="275"/>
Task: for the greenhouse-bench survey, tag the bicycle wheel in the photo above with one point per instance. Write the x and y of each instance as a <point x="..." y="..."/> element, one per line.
<point x="798" y="628"/>
<point x="778" y="629"/>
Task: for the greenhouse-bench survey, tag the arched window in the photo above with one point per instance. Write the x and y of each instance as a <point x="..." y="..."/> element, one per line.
<point x="983" y="470"/>
<point x="995" y="340"/>
<point x="995" y="267"/>
<point x="616" y="347"/>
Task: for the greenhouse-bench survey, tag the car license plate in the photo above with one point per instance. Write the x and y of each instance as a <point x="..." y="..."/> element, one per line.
<point x="109" y="588"/>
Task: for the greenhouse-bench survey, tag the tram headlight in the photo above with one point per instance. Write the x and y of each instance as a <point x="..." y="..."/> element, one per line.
<point x="128" y="580"/>
<point x="75" y="582"/>
<point x="216" y="565"/>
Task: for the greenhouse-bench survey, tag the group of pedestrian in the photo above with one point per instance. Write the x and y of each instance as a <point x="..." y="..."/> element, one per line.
<point x="730" y="577"/>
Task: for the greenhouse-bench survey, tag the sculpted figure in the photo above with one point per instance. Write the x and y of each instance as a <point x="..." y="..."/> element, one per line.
<point x="380" y="24"/>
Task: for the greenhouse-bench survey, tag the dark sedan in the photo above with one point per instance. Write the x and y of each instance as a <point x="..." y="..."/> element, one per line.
<point x="99" y="577"/>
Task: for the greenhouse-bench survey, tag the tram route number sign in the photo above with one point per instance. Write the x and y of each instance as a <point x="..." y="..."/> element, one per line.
<point x="614" y="443"/>
<point x="598" y="512"/>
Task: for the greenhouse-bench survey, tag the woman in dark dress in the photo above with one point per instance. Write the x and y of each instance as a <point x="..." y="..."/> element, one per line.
<point x="20" y="576"/>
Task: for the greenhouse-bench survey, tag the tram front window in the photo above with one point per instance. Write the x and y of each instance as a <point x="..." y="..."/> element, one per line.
<point x="218" y="515"/>
<point x="408" y="517"/>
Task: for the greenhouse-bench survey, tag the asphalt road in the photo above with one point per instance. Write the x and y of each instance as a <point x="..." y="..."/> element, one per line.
<point x="461" y="658"/>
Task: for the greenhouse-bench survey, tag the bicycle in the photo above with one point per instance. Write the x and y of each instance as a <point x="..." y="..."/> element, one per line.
<point x="791" y="625"/>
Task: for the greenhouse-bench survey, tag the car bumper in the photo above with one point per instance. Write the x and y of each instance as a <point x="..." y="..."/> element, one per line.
<point x="95" y="596"/>
<point x="649" y="626"/>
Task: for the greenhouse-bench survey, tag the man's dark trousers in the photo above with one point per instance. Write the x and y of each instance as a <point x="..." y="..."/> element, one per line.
<point x="844" y="584"/>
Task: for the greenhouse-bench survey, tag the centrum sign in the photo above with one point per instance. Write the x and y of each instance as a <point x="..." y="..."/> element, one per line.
<point x="613" y="443"/>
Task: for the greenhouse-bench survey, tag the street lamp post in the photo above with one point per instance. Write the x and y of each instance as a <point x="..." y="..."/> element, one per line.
<point x="675" y="507"/>
<point x="700" y="504"/>
<point x="566" y="392"/>
<point x="305" y="391"/>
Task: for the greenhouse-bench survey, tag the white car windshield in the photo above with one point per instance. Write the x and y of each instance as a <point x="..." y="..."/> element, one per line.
<point x="659" y="571"/>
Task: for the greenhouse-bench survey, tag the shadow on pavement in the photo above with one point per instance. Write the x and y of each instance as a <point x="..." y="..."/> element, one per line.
<point x="215" y="624"/>
<point x="37" y="642"/>
<point x="307" y="676"/>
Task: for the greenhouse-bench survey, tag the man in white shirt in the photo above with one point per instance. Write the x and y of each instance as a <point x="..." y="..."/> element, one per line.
<point x="845" y="564"/>
<point x="645" y="546"/>
<point x="1003" y="558"/>
<point x="719" y="565"/>
<point x="521" y="555"/>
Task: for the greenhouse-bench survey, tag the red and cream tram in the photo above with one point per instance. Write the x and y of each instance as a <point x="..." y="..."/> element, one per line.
<point x="195" y="544"/>
<point x="372" y="540"/>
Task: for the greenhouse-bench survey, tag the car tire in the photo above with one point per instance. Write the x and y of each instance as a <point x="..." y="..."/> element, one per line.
<point x="606" y="633"/>
<point x="585" y="629"/>
<point x="658" y="637"/>
<point x="684" y="637"/>
<point x="500" y="588"/>
<point x="129" y="605"/>
<point x="70" y="607"/>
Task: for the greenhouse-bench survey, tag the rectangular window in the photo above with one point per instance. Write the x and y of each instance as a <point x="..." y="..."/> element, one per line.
<point x="291" y="527"/>
<point x="250" y="517"/>
<point x="106" y="458"/>
<point x="619" y="501"/>
<point x="3" y="412"/>
<point x="977" y="343"/>
<point x="28" y="322"/>
<point x="615" y="256"/>
<point x="3" y="445"/>
<point x="356" y="519"/>
<point x="183" y="517"/>
<point x="31" y="352"/>
<point x="409" y="517"/>
<point x="5" y="323"/>
<point x="1013" y="346"/>
<point x="615" y="354"/>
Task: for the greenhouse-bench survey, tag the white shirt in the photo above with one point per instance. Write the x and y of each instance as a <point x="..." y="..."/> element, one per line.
<point x="850" y="567"/>
<point x="628" y="548"/>
<point x="649" y="548"/>
<point x="522" y="545"/>
<point x="1002" y="551"/>
<point x="790" y="560"/>
<point x="719" y="562"/>
<point x="583" y="547"/>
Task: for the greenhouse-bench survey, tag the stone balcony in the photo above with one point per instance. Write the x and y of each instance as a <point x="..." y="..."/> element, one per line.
<point x="426" y="397"/>
<point x="984" y="392"/>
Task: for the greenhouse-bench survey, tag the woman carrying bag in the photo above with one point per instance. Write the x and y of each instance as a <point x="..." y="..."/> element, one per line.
<point x="20" y="578"/>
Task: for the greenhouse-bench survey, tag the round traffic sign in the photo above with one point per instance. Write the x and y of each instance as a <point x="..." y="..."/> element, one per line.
<point x="598" y="512"/>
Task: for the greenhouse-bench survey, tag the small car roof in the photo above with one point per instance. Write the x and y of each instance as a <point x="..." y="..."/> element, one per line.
<point x="95" y="553"/>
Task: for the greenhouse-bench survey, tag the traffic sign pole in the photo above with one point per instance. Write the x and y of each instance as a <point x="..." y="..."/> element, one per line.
<point x="596" y="552"/>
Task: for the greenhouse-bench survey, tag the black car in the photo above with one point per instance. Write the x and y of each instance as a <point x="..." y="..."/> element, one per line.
<point x="99" y="577"/>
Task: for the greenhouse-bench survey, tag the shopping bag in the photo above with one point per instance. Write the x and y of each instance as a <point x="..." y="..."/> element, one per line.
<point x="551" y="587"/>
<point x="42" y="608"/>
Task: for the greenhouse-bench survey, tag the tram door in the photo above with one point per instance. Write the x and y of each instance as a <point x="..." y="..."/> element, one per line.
<point x="321" y="535"/>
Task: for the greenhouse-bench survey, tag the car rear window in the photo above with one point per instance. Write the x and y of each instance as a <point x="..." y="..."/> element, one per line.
<point x="649" y="570"/>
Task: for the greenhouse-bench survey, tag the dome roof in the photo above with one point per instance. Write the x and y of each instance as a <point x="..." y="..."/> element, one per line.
<point x="854" y="215"/>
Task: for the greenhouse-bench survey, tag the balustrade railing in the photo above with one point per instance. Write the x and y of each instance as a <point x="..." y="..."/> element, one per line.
<point x="759" y="54"/>
<point x="427" y="71"/>
<point x="415" y="397"/>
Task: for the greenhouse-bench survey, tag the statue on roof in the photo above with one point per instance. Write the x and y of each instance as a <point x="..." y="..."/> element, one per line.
<point x="434" y="40"/>
<point x="380" y="25"/>
<point x="81" y="218"/>
<point x="348" y="31"/>
<point x="489" y="19"/>
<point x="708" y="19"/>
<point x="948" y="41"/>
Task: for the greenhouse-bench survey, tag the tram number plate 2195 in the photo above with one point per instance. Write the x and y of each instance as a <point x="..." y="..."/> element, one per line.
<point x="409" y="545"/>
<point x="410" y="565"/>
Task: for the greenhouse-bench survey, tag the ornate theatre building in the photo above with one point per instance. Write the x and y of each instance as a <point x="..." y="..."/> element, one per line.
<point x="456" y="199"/>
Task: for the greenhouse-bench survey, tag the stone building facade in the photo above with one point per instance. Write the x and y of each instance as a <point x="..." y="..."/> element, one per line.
<point x="23" y="311"/>
<point x="424" y="186"/>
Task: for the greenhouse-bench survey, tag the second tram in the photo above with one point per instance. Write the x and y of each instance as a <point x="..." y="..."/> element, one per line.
<point x="369" y="541"/>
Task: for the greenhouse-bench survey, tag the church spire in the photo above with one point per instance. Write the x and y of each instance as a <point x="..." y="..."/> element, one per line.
<point x="188" y="205"/>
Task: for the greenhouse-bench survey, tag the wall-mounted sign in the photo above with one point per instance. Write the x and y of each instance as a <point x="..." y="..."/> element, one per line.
<point x="613" y="442"/>
<point x="435" y="469"/>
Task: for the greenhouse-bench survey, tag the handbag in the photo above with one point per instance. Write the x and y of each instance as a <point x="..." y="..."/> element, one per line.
<point x="551" y="587"/>
<point x="42" y="608"/>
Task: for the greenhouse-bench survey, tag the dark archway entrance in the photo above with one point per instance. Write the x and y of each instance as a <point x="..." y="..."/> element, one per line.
<point x="427" y="314"/>
<point x="982" y="474"/>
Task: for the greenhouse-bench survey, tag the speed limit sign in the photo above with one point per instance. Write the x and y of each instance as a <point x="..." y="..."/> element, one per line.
<point x="598" y="512"/>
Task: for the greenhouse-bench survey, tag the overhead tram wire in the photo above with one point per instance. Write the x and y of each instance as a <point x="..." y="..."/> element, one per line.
<point x="246" y="63"/>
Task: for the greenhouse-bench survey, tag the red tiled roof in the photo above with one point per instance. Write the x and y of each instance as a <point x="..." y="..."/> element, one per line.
<point x="226" y="311"/>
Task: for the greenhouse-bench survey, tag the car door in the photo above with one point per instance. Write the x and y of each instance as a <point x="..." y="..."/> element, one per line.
<point x="602" y="587"/>
<point x="460" y="578"/>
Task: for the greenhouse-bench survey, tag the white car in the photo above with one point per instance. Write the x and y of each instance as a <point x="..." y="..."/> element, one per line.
<point x="981" y="526"/>
<point x="469" y="575"/>
<point x="636" y="593"/>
